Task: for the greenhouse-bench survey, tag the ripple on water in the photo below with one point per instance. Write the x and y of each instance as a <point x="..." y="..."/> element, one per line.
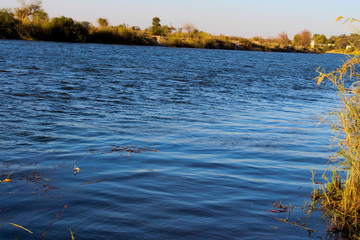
<point x="233" y="132"/>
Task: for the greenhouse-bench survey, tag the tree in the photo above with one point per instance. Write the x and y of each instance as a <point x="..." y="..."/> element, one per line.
<point x="166" y="30"/>
<point x="302" y="39"/>
<point x="188" y="27"/>
<point x="283" y="38"/>
<point x="320" y="39"/>
<point x="156" y="22"/>
<point x="136" y="28"/>
<point x="86" y="24"/>
<point x="103" y="22"/>
<point x="28" y="10"/>
<point x="156" y="26"/>
<point x="67" y="30"/>
<point x="297" y="39"/>
<point x="341" y="43"/>
<point x="40" y="16"/>
<point x="305" y="38"/>
<point x="7" y="24"/>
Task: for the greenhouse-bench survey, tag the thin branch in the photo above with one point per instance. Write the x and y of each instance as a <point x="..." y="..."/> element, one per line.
<point x="57" y="216"/>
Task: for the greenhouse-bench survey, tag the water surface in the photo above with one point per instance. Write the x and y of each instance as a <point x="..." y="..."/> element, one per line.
<point x="233" y="132"/>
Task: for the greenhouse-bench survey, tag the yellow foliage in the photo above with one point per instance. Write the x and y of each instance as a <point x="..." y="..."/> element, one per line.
<point x="338" y="18"/>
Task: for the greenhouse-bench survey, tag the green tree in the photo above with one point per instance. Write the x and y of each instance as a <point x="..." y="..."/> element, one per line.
<point x="354" y="39"/>
<point x="67" y="30"/>
<point x="136" y="28"/>
<point x="156" y="26"/>
<point x="297" y="39"/>
<point x="103" y="22"/>
<point x="341" y="42"/>
<point x="166" y="30"/>
<point x="320" y="39"/>
<point x="332" y="39"/>
<point x="86" y="24"/>
<point x="40" y="16"/>
<point x="8" y="24"/>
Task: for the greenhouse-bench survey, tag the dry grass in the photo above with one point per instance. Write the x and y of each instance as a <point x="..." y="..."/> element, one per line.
<point x="340" y="196"/>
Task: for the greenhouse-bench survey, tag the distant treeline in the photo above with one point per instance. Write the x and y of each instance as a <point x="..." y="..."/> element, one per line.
<point x="347" y="43"/>
<point x="31" y="22"/>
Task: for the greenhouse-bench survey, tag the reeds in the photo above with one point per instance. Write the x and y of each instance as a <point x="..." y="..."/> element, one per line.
<point x="340" y="196"/>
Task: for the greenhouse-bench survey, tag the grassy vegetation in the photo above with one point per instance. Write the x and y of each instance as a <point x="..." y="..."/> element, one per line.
<point x="340" y="196"/>
<point x="31" y="22"/>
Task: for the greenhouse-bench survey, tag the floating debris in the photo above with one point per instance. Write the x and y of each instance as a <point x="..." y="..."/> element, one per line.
<point x="130" y="150"/>
<point x="277" y="211"/>
<point x="294" y="224"/>
<point x="32" y="173"/>
<point x="76" y="170"/>
<point x="8" y="179"/>
<point x="281" y="207"/>
<point x="21" y="227"/>
<point x="93" y="182"/>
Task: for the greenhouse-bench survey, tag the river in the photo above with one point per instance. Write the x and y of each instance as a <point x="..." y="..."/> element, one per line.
<point x="170" y="143"/>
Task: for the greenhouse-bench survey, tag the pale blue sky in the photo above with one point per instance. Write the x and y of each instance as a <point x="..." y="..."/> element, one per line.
<point x="245" y="18"/>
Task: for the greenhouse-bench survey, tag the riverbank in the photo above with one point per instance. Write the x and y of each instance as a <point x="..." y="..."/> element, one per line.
<point x="36" y="25"/>
<point x="339" y="51"/>
<point x="110" y="36"/>
<point x="223" y="42"/>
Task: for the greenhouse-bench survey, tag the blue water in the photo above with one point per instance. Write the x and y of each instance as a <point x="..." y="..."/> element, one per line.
<point x="170" y="143"/>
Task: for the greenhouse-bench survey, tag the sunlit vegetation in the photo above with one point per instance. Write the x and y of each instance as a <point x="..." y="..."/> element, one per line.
<point x="338" y="44"/>
<point x="302" y="39"/>
<point x="30" y="22"/>
<point x="281" y="42"/>
<point x="339" y="198"/>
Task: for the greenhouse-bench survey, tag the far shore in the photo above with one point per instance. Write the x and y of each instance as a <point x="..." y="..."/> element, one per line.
<point x="31" y="22"/>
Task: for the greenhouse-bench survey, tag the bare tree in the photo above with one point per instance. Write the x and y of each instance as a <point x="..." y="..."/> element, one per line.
<point x="302" y="39"/>
<point x="305" y="38"/>
<point x="283" y="38"/>
<point x="188" y="27"/>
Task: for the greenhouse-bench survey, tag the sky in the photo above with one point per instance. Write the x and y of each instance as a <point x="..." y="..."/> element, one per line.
<point x="242" y="18"/>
